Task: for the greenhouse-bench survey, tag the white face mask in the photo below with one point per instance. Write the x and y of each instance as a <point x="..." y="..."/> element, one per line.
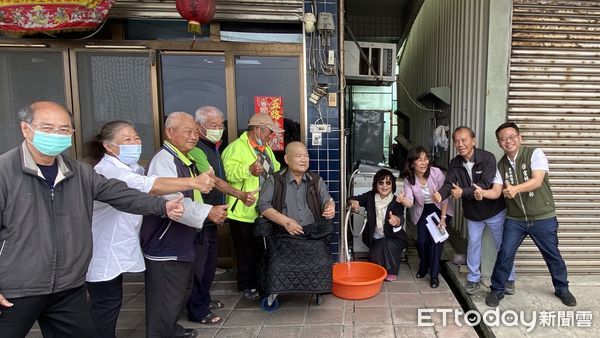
<point x="213" y="135"/>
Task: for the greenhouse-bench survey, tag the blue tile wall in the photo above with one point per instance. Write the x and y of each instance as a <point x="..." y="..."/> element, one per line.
<point x="325" y="159"/>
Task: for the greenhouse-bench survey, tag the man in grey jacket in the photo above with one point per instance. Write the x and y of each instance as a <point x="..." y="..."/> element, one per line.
<point x="46" y="203"/>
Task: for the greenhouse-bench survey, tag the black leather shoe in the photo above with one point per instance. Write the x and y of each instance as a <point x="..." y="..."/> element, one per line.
<point x="493" y="298"/>
<point x="420" y="275"/>
<point x="435" y="282"/>
<point x="566" y="297"/>
<point x="188" y="333"/>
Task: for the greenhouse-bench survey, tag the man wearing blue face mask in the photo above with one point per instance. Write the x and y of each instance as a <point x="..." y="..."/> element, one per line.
<point x="46" y="203"/>
<point x="248" y="162"/>
<point x="116" y="234"/>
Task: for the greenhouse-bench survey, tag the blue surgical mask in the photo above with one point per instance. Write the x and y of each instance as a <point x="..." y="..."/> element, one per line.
<point x="258" y="140"/>
<point x="129" y="153"/>
<point x="50" y="144"/>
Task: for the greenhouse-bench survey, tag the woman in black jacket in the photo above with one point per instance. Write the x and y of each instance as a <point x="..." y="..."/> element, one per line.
<point x="384" y="233"/>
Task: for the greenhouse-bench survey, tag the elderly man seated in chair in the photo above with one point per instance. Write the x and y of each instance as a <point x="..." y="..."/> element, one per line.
<point x="297" y="202"/>
<point x="303" y="195"/>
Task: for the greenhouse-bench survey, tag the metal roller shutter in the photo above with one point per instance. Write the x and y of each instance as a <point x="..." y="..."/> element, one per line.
<point x="227" y="10"/>
<point x="554" y="98"/>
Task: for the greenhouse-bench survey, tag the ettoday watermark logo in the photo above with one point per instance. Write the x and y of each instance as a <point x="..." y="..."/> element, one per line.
<point x="496" y="317"/>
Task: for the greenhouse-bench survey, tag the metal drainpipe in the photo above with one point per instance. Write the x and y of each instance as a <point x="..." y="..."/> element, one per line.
<point x="343" y="229"/>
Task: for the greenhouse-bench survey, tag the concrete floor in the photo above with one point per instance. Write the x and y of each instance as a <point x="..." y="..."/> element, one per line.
<point x="391" y="313"/>
<point x="535" y="297"/>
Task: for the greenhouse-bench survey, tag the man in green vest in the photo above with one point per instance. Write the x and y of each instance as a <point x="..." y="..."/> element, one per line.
<point x="530" y="211"/>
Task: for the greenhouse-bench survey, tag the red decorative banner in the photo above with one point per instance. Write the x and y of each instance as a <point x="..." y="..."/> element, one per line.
<point x="31" y="16"/>
<point x="272" y="105"/>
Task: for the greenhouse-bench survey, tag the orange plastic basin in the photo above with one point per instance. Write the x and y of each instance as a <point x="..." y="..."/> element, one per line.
<point x="357" y="280"/>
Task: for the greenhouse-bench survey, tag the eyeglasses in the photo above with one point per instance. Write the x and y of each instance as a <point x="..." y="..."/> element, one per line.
<point x="49" y="129"/>
<point x="384" y="183"/>
<point x="508" y="138"/>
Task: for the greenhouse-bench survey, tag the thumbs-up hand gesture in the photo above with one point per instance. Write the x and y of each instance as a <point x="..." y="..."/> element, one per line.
<point x="256" y="168"/>
<point x="394" y="220"/>
<point x="456" y="191"/>
<point x="217" y="214"/>
<point x="401" y="198"/>
<point x="249" y="197"/>
<point x="509" y="190"/>
<point x="329" y="209"/>
<point x="354" y="205"/>
<point x="206" y="181"/>
<point x="478" y="192"/>
<point x="175" y="208"/>
<point x="436" y="197"/>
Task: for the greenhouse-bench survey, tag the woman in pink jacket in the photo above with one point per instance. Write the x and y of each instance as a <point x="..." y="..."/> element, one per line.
<point x="421" y="182"/>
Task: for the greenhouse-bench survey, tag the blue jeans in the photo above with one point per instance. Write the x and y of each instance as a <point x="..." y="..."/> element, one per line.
<point x="543" y="232"/>
<point x="495" y="224"/>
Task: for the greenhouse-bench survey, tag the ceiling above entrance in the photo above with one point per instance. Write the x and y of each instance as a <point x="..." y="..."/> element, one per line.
<point x="381" y="20"/>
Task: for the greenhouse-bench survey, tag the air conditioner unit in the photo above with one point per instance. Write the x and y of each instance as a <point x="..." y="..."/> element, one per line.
<point x="381" y="55"/>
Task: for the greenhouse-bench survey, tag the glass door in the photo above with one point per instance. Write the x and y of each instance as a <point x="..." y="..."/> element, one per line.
<point x="262" y="80"/>
<point x="114" y="85"/>
<point x="27" y="76"/>
<point x="190" y="81"/>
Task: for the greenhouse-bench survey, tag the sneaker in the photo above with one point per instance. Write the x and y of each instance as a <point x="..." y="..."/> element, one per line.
<point x="509" y="287"/>
<point x="471" y="287"/>
<point x="251" y="294"/>
<point x="493" y="299"/>
<point x="566" y="297"/>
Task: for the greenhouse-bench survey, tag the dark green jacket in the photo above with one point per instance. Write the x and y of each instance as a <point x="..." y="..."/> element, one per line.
<point x="527" y="206"/>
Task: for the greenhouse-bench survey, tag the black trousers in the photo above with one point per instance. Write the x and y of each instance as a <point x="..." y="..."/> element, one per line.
<point x="430" y="253"/>
<point x="61" y="314"/>
<point x="207" y="252"/>
<point x="166" y="289"/>
<point x="248" y="251"/>
<point x="387" y="252"/>
<point x="105" y="299"/>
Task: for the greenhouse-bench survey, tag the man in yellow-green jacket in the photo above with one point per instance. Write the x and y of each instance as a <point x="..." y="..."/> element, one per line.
<point x="248" y="162"/>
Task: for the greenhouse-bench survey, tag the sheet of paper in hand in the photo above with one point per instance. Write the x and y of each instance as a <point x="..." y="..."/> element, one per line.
<point x="432" y="221"/>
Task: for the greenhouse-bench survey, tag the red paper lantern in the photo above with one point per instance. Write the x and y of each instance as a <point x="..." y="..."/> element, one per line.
<point x="196" y="12"/>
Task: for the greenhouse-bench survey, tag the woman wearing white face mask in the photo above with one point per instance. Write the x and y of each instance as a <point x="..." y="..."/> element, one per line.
<point x="115" y="233"/>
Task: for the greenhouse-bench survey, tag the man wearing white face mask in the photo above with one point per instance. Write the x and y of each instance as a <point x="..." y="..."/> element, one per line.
<point x="210" y="121"/>
<point x="115" y="233"/>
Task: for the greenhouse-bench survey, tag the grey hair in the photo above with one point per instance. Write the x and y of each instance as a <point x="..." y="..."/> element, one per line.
<point x="95" y="147"/>
<point x="26" y="113"/>
<point x="109" y="131"/>
<point x="203" y="112"/>
<point x="175" y="118"/>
